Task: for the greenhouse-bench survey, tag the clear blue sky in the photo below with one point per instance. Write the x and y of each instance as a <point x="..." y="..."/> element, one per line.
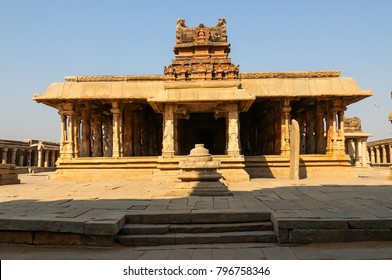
<point x="44" y="41"/>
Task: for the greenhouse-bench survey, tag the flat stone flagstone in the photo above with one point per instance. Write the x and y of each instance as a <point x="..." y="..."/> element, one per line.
<point x="305" y="212"/>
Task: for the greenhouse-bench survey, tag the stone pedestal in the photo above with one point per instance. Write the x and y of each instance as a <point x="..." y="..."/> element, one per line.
<point x="8" y="174"/>
<point x="199" y="175"/>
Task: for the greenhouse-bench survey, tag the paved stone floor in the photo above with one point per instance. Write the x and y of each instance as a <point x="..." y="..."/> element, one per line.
<point x="325" y="251"/>
<point x="367" y="197"/>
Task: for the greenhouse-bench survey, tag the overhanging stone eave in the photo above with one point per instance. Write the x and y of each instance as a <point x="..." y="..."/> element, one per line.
<point x="194" y="96"/>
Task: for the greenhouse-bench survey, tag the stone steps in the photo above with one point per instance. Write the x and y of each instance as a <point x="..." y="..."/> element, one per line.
<point x="196" y="228"/>
<point x="198" y="238"/>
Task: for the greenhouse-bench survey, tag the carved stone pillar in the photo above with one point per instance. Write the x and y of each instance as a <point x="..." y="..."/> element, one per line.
<point x="390" y="154"/>
<point x="21" y="157"/>
<point x="320" y="138"/>
<point x="285" y="128"/>
<point x="377" y="154"/>
<point x="40" y="151"/>
<point x="4" y="155"/>
<point x="67" y="130"/>
<point x="29" y="157"/>
<point x="96" y="134"/>
<point x="46" y="159"/>
<point x="233" y="129"/>
<point x="335" y="135"/>
<point x="13" y="156"/>
<point x="340" y="137"/>
<point x="356" y="153"/>
<point x="168" y="141"/>
<point x="384" y="154"/>
<point x="331" y="131"/>
<point x="76" y="134"/>
<point x="53" y="158"/>
<point x="116" y="129"/>
<point x="86" y="133"/>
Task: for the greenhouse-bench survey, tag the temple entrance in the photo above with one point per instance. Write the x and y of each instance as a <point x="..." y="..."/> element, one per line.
<point x="202" y="128"/>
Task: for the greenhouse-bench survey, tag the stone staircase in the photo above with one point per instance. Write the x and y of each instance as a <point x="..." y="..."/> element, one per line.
<point x="199" y="228"/>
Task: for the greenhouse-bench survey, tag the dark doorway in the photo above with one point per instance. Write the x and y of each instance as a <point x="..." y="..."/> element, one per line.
<point x="202" y="128"/>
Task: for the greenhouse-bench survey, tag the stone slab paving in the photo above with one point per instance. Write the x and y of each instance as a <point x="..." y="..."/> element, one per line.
<point x="254" y="251"/>
<point x="362" y="203"/>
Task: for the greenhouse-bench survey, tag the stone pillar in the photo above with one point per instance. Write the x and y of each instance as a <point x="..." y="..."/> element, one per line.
<point x="4" y="155"/>
<point x="46" y="159"/>
<point x="364" y="159"/>
<point x="390" y="153"/>
<point x="320" y="138"/>
<point x="384" y="154"/>
<point x="116" y="129"/>
<point x="21" y="157"/>
<point x="331" y="131"/>
<point x="86" y="134"/>
<point x="294" y="150"/>
<point x="168" y="141"/>
<point x="76" y="134"/>
<point x="40" y="151"/>
<point x="13" y="156"/>
<point x="340" y="137"/>
<point x="335" y="135"/>
<point x="285" y="128"/>
<point x="29" y="157"/>
<point x="371" y="155"/>
<point x="356" y="153"/>
<point x="377" y="153"/>
<point x="96" y="134"/>
<point x="53" y="162"/>
<point x="67" y="130"/>
<point x="233" y="129"/>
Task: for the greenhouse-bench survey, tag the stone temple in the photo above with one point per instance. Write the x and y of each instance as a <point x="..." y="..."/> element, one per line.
<point x="143" y="126"/>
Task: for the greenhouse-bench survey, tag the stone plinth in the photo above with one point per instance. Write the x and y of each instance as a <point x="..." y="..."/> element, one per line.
<point x="199" y="175"/>
<point x="8" y="174"/>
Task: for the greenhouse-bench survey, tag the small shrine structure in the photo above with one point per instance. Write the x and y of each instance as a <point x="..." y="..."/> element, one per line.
<point x="143" y="126"/>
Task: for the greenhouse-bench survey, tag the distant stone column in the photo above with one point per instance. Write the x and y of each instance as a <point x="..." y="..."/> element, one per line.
<point x="320" y="140"/>
<point x="168" y="132"/>
<point x="356" y="153"/>
<point x="70" y="134"/>
<point x="377" y="153"/>
<point x="285" y="128"/>
<point x="46" y="159"/>
<point x="76" y="134"/>
<point x="40" y="151"/>
<point x="341" y="138"/>
<point x="384" y="154"/>
<point x="233" y="140"/>
<point x="53" y="159"/>
<point x="294" y="150"/>
<point x="390" y="153"/>
<point x="116" y="133"/>
<point x="86" y="134"/>
<point x="13" y="156"/>
<point x="4" y="155"/>
<point x="29" y="157"/>
<point x="331" y="131"/>
<point x="372" y="155"/>
<point x="21" y="157"/>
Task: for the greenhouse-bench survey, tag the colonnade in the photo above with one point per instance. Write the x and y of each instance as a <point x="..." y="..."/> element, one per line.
<point x="29" y="154"/>
<point x="380" y="152"/>
<point x="321" y="126"/>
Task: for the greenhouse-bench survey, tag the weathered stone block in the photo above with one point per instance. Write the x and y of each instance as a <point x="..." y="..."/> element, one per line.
<point x="311" y="224"/>
<point x="340" y="235"/>
<point x="103" y="227"/>
<point x="371" y="224"/>
<point x="16" y="237"/>
<point x="50" y="225"/>
<point x="98" y="240"/>
<point x="51" y="238"/>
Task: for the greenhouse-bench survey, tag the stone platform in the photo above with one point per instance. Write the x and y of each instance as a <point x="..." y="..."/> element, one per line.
<point x="40" y="211"/>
